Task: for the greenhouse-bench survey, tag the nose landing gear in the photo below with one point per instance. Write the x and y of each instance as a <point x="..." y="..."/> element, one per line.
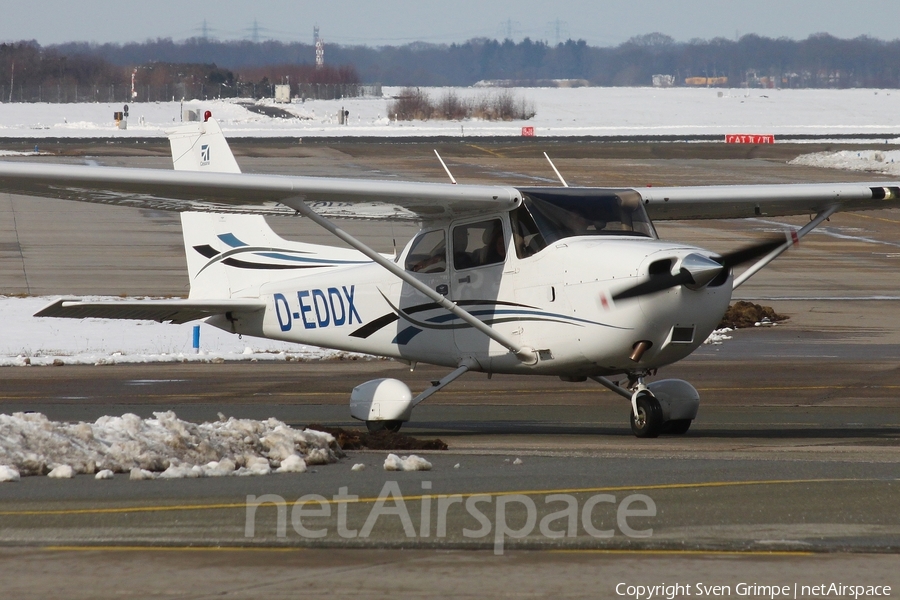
<point x="667" y="406"/>
<point x="646" y="415"/>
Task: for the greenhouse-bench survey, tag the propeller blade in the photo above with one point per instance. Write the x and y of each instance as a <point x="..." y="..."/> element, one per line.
<point x="739" y="257"/>
<point x="702" y="273"/>
<point x="657" y="283"/>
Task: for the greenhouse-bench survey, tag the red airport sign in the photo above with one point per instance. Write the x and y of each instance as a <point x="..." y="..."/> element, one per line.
<point x="744" y="138"/>
<point x="528" y="131"/>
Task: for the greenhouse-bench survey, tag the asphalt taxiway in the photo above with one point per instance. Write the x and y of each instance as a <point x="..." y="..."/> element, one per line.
<point x="795" y="452"/>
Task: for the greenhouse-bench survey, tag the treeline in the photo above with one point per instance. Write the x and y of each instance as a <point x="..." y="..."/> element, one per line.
<point x="821" y="60"/>
<point x="246" y="68"/>
<point x="415" y="103"/>
<point x="818" y="61"/>
<point x="30" y="73"/>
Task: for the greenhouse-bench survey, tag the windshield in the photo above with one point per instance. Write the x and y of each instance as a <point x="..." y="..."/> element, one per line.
<point x="560" y="214"/>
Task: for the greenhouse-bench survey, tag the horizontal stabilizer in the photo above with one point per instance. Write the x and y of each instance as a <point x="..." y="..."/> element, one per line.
<point x="173" y="311"/>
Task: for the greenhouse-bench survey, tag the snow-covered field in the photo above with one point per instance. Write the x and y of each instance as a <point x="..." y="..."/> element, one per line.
<point x="560" y="112"/>
<point x="29" y="340"/>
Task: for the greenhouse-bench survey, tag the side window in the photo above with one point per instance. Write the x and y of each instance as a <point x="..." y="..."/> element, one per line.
<point x="478" y="244"/>
<point x="428" y="253"/>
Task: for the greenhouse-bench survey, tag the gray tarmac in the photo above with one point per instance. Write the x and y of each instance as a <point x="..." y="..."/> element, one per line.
<point x="789" y="475"/>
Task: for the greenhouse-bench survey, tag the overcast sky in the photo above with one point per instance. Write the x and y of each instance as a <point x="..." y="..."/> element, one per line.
<point x="392" y="22"/>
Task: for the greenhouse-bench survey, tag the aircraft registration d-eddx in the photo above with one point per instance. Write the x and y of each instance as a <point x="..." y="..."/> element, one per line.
<point x="562" y="281"/>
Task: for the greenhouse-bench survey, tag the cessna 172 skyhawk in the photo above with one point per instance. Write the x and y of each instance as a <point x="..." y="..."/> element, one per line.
<point x="561" y="281"/>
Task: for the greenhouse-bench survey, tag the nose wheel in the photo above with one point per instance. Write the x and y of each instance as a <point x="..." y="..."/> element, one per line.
<point x="376" y="426"/>
<point x="647" y="419"/>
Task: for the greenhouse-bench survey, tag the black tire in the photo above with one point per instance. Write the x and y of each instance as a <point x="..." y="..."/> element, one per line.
<point x="677" y="426"/>
<point x="376" y="426"/>
<point x="649" y="422"/>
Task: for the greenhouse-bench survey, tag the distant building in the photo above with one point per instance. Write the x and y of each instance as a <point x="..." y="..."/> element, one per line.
<point x="706" y="81"/>
<point x="663" y="81"/>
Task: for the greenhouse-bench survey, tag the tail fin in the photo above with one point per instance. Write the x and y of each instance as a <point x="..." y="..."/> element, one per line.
<point x="202" y="147"/>
<point x="232" y="255"/>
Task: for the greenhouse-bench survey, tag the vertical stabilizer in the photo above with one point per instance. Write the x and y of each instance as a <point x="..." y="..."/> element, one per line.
<point x="233" y="255"/>
<point x="201" y="147"/>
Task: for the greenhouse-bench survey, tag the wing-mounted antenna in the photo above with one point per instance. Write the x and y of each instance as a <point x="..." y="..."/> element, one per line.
<point x="443" y="164"/>
<point x="555" y="170"/>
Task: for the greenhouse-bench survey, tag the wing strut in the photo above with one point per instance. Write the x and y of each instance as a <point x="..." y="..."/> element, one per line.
<point x="525" y="354"/>
<point x="555" y="170"/>
<point x="443" y="164"/>
<point x="794" y="239"/>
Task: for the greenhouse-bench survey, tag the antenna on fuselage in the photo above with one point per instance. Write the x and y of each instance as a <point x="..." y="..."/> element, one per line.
<point x="555" y="170"/>
<point x="443" y="164"/>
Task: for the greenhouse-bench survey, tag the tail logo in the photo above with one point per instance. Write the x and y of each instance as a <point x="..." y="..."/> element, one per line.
<point x="204" y="155"/>
<point x="244" y="256"/>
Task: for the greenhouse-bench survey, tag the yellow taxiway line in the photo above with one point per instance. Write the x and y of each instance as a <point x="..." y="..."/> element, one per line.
<point x="590" y="490"/>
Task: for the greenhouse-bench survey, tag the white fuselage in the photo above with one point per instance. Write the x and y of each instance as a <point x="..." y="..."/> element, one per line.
<point x="557" y="301"/>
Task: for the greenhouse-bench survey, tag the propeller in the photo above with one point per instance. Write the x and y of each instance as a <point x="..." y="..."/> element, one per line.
<point x="697" y="270"/>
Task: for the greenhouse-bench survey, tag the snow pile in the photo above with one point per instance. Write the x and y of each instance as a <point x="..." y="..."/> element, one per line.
<point x="718" y="336"/>
<point x="8" y="474"/>
<point x="406" y="463"/>
<point x="34" y="445"/>
<point x="873" y="161"/>
<point x="62" y="472"/>
<point x="292" y="464"/>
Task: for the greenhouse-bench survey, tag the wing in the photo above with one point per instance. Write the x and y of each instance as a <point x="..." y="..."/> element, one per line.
<point x="376" y="199"/>
<point x="172" y="311"/>
<point x="241" y="192"/>
<point x="742" y="201"/>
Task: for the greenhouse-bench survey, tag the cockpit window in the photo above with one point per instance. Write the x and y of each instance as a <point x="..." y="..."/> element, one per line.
<point x="478" y="244"/>
<point x="428" y="253"/>
<point x="561" y="214"/>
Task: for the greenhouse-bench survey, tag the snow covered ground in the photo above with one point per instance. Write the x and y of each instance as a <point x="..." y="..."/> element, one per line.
<point x="873" y="161"/>
<point x="29" y="340"/>
<point x="560" y="112"/>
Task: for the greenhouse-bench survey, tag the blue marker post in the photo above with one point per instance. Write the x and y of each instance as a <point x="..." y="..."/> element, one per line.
<point x="196" y="339"/>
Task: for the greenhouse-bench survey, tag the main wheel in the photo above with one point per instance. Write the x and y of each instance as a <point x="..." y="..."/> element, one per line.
<point x="648" y="422"/>
<point x="375" y="426"/>
<point x="677" y="426"/>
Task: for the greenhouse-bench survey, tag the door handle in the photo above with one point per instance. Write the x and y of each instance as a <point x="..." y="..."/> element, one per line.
<point x="466" y="279"/>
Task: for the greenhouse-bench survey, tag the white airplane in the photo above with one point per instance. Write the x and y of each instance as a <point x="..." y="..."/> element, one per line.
<point x="563" y="281"/>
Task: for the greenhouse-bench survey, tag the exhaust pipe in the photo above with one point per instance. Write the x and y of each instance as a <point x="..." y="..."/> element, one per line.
<point x="638" y="350"/>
